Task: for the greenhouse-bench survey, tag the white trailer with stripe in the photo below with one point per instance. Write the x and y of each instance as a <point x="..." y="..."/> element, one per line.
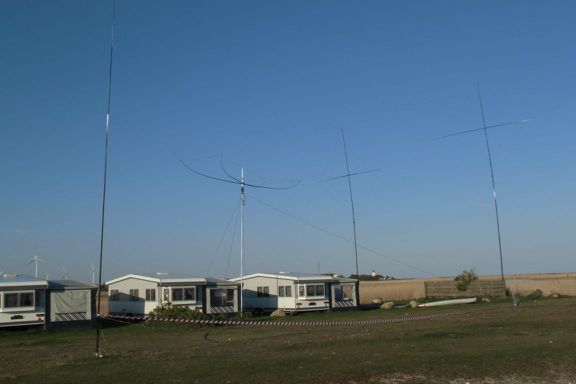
<point x="297" y="292"/>
<point x="22" y="300"/>
<point x="139" y="294"/>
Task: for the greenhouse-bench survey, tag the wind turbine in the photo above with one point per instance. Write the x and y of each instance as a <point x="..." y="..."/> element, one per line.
<point x="233" y="180"/>
<point x="36" y="259"/>
<point x="93" y="270"/>
<point x="485" y="130"/>
<point x="65" y="275"/>
<point x="348" y="175"/>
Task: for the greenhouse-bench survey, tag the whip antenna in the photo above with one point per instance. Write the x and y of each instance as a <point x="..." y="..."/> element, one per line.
<point x="98" y="315"/>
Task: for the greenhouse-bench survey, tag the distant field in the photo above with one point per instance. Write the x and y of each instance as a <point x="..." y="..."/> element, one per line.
<point x="522" y="285"/>
<point x="478" y="343"/>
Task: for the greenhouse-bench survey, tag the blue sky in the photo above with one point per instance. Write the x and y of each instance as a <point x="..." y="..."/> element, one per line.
<point x="269" y="85"/>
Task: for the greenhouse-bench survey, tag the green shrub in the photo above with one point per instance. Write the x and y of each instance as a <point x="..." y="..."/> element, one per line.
<point x="169" y="311"/>
<point x="465" y="278"/>
<point x="537" y="294"/>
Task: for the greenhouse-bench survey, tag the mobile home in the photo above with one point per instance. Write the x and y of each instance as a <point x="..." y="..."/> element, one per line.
<point x="70" y="303"/>
<point x="22" y="300"/>
<point x="139" y="294"/>
<point x="297" y="292"/>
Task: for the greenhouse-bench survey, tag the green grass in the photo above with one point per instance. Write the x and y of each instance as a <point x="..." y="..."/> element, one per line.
<point x="535" y="342"/>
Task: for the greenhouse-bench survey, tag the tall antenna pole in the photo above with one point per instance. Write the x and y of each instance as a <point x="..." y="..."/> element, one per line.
<point x="493" y="184"/>
<point x="348" y="175"/>
<point x="351" y="203"/>
<point x="242" y="204"/>
<point x="98" y="316"/>
<point x="233" y="180"/>
<point x="485" y="130"/>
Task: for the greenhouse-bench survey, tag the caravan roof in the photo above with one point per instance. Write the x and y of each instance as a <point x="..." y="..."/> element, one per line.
<point x="7" y="280"/>
<point x="69" y="284"/>
<point x="296" y="276"/>
<point x="166" y="277"/>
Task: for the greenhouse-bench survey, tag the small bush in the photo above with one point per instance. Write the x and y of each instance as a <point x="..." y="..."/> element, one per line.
<point x="169" y="311"/>
<point x="537" y="294"/>
<point x="465" y="278"/>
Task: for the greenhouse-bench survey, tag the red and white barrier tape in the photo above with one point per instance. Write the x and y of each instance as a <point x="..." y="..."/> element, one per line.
<point x="268" y="323"/>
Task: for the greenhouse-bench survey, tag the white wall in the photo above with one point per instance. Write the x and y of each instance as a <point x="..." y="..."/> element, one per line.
<point x="124" y="305"/>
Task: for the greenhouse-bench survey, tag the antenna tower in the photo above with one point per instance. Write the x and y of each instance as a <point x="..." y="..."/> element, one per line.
<point x="485" y="130"/>
<point x="348" y="176"/>
<point x="98" y="316"/>
<point x="242" y="183"/>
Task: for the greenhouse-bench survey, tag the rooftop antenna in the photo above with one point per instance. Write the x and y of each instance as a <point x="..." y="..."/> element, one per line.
<point x="242" y="183"/>
<point x="485" y="130"/>
<point x="98" y="317"/>
<point x="349" y="175"/>
<point x="36" y="259"/>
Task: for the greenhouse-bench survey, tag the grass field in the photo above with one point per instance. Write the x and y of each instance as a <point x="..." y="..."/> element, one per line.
<point x="477" y="343"/>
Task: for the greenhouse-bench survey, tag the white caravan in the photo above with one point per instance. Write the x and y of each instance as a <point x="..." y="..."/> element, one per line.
<point x="139" y="294"/>
<point x="298" y="292"/>
<point x="22" y="300"/>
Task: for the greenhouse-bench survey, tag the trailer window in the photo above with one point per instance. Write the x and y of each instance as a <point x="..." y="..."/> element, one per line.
<point x="27" y="299"/>
<point x="285" y="291"/>
<point x="18" y="299"/>
<point x="11" y="300"/>
<point x="311" y="290"/>
<point x="184" y="294"/>
<point x="189" y="294"/>
<point x="134" y="295"/>
<point x="222" y="297"/>
<point x="262" y="291"/>
<point x="150" y="294"/>
<point x="114" y="295"/>
<point x="344" y="292"/>
<point x="166" y="294"/>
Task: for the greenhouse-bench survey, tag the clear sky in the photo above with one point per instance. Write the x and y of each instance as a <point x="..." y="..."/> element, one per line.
<point x="269" y="85"/>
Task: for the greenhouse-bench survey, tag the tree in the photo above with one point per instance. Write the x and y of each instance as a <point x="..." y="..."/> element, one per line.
<point x="465" y="278"/>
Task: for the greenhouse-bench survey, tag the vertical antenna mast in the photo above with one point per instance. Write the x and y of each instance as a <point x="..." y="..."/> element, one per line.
<point x="485" y="130"/>
<point x="233" y="180"/>
<point x="351" y="203"/>
<point x="493" y="183"/>
<point x="98" y="316"/>
<point x="348" y="176"/>
<point x="242" y="204"/>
